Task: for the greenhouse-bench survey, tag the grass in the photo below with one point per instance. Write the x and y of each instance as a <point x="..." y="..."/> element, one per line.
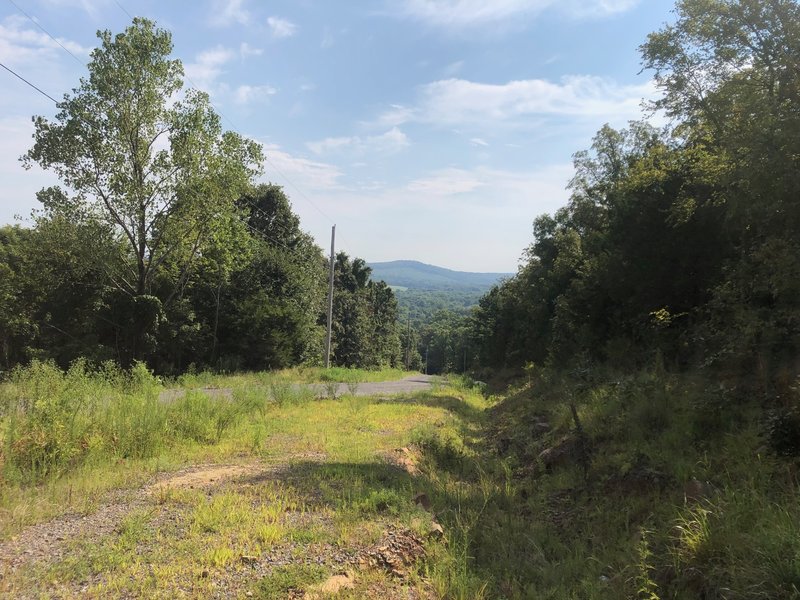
<point x="335" y="487"/>
<point x="294" y="375"/>
<point x="321" y="484"/>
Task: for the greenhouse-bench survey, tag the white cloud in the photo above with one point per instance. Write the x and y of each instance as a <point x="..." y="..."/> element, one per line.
<point x="304" y="173"/>
<point x="207" y="66"/>
<point x="476" y="141"/>
<point x="20" y="44"/>
<point x="396" y="115"/>
<point x="228" y="12"/>
<point x="446" y="182"/>
<point x="492" y="205"/>
<point x="246" y="94"/>
<point x="472" y="13"/>
<point x="281" y="28"/>
<point x="390" y="141"/>
<point x="246" y="50"/>
<point x="457" y="101"/>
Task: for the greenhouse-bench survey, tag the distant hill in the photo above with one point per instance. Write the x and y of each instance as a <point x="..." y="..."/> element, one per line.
<point x="420" y="276"/>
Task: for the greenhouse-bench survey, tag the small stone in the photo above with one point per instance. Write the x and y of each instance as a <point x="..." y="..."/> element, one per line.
<point x="248" y="560"/>
<point x="204" y="573"/>
<point x="436" y="531"/>
<point x="423" y="500"/>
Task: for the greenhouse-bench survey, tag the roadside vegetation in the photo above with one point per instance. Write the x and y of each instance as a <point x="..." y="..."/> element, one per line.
<point x="638" y="434"/>
<point x="463" y="494"/>
<point x="84" y="430"/>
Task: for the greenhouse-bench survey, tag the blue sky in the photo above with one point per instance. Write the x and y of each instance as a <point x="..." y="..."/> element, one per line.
<point x="434" y="130"/>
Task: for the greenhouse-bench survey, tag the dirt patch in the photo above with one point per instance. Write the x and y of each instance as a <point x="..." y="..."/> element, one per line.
<point x="333" y="585"/>
<point x="396" y="552"/>
<point x="49" y="542"/>
<point x="406" y="459"/>
<point x="202" y="476"/>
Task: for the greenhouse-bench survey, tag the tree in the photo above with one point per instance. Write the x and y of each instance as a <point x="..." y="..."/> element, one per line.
<point x="144" y="159"/>
<point x="728" y="71"/>
<point x="365" y="328"/>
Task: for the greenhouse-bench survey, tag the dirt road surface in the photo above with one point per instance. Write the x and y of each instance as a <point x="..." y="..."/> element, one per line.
<point x="408" y="385"/>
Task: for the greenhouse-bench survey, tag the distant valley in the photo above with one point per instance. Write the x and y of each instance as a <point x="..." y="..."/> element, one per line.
<point x="415" y="275"/>
<point x="424" y="290"/>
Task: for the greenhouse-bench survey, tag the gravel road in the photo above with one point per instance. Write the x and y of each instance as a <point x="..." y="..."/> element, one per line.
<point x="414" y="383"/>
<point x="408" y="385"/>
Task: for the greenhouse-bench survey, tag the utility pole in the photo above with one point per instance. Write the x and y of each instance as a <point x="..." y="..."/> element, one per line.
<point x="330" y="304"/>
<point x="408" y="343"/>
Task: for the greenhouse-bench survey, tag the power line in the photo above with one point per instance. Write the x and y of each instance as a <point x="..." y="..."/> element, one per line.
<point x="21" y="78"/>
<point x="303" y="266"/>
<point x="236" y="129"/>
<point x="123" y="9"/>
<point x="225" y="117"/>
<point x="32" y="20"/>
<point x="252" y="204"/>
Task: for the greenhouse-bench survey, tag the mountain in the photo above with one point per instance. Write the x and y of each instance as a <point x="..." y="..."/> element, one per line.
<point x="415" y="275"/>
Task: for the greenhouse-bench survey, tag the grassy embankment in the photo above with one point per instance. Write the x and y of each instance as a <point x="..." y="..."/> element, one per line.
<point x="670" y="493"/>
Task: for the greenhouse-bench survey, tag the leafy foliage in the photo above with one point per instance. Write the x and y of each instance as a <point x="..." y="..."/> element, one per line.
<point x="160" y="248"/>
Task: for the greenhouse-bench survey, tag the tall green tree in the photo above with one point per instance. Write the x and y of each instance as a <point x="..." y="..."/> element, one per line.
<point x="365" y="327"/>
<point x="146" y="159"/>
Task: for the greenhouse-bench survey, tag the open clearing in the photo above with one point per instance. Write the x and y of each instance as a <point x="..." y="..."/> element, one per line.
<point x="317" y="499"/>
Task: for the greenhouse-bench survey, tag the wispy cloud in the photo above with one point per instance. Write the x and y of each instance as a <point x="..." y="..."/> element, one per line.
<point x="472" y="13"/>
<point x="493" y="205"/>
<point x="247" y="94"/>
<point x="305" y="173"/>
<point x="454" y="102"/>
<point x="476" y="141"/>
<point x="208" y="66"/>
<point x="328" y="40"/>
<point x="390" y="141"/>
<point x="454" y="69"/>
<point x="246" y="50"/>
<point x="281" y="28"/>
<point x="229" y="12"/>
<point x="20" y="44"/>
<point x="446" y="182"/>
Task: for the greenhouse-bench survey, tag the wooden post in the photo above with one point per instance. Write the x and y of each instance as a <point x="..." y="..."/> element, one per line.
<point x="330" y="303"/>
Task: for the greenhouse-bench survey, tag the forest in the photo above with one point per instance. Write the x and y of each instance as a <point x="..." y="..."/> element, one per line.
<point x="619" y="419"/>
<point x="165" y="250"/>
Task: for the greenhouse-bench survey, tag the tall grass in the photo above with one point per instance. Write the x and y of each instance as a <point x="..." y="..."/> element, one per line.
<point x="53" y="421"/>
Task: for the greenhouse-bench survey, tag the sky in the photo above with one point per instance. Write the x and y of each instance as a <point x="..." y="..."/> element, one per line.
<point x="431" y="130"/>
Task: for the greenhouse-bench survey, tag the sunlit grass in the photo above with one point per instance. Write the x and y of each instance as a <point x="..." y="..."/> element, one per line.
<point x="334" y="488"/>
<point x="319" y="475"/>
